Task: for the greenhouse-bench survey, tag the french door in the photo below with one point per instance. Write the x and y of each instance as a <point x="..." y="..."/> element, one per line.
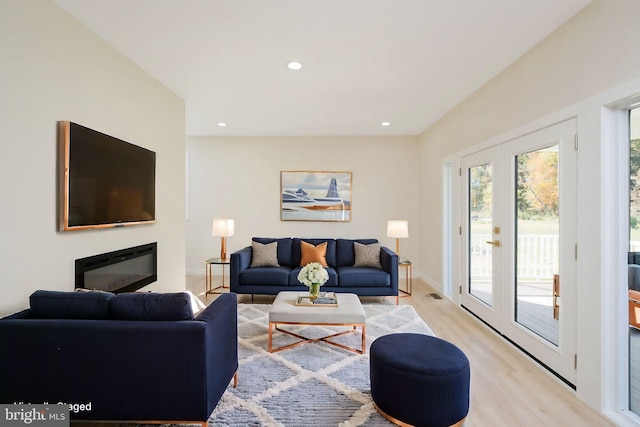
<point x="519" y="243"/>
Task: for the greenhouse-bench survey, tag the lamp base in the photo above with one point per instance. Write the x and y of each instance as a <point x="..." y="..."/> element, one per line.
<point x="223" y="248"/>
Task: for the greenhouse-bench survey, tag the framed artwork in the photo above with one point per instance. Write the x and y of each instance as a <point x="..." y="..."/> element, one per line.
<point x="315" y="196"/>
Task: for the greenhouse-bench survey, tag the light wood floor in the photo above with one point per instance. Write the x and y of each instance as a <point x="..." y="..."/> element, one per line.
<point x="507" y="388"/>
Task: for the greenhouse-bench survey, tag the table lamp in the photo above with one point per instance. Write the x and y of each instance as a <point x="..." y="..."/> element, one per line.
<point x="223" y="228"/>
<point x="399" y="229"/>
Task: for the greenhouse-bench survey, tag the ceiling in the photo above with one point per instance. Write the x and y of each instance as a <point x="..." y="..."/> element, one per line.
<point x="407" y="62"/>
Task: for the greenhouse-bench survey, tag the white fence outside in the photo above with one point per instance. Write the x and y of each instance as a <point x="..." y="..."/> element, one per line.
<point x="537" y="257"/>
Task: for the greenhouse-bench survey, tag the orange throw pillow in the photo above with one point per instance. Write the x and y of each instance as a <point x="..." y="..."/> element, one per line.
<point x="312" y="253"/>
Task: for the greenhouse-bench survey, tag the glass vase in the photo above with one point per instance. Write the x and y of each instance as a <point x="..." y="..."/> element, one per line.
<point x="314" y="289"/>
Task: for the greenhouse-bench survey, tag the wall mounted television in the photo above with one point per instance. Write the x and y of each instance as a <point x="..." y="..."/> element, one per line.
<point x="104" y="181"/>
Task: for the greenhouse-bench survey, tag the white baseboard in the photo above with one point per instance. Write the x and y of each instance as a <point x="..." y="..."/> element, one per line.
<point x="433" y="283"/>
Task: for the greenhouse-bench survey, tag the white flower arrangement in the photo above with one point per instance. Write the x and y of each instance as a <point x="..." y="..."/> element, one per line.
<point x="312" y="273"/>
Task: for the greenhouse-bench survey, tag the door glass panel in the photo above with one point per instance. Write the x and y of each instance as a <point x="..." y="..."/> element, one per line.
<point x="634" y="259"/>
<point x="537" y="242"/>
<point x="480" y="225"/>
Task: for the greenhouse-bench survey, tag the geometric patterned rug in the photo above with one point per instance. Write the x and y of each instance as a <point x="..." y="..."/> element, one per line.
<point x="315" y="384"/>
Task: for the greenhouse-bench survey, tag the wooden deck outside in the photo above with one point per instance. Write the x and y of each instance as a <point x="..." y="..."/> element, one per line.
<point x="634" y="370"/>
<point x="534" y="308"/>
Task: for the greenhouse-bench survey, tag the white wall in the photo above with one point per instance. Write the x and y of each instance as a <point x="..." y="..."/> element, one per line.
<point x="239" y="178"/>
<point x="596" y="50"/>
<point x="592" y="60"/>
<point x="54" y="69"/>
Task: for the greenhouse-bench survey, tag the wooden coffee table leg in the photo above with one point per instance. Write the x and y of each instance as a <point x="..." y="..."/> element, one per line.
<point x="271" y="324"/>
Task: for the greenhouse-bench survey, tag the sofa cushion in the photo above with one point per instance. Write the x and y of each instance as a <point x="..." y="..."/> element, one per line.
<point x="264" y="255"/>
<point x="312" y="253"/>
<point x="297" y="251"/>
<point x="333" y="277"/>
<point x="345" y="253"/>
<point x="284" y="249"/>
<point x="367" y="255"/>
<point x="265" y="276"/>
<point x="151" y="306"/>
<point x="70" y="305"/>
<point x="363" y="277"/>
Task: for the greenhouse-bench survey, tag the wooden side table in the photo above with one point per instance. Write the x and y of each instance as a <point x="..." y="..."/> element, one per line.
<point x="408" y="277"/>
<point x="209" y="278"/>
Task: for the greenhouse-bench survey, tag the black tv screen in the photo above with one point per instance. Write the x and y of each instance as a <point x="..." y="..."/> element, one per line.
<point x="106" y="182"/>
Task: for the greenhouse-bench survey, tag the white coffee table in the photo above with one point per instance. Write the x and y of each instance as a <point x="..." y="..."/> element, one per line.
<point x="349" y="312"/>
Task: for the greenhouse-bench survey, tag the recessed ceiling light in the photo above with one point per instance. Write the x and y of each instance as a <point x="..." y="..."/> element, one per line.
<point x="294" y="65"/>
<point x="385" y="124"/>
<point x="222" y="124"/>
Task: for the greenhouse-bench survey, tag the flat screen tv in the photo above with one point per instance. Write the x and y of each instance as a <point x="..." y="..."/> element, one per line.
<point x="105" y="182"/>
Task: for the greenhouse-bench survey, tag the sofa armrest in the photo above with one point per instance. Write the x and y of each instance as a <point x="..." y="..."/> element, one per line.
<point x="212" y="313"/>
<point x="221" y="344"/>
<point x="240" y="261"/>
<point x="389" y="261"/>
<point x="23" y="314"/>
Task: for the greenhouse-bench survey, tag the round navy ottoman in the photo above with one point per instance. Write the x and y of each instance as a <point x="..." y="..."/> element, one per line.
<point x="419" y="380"/>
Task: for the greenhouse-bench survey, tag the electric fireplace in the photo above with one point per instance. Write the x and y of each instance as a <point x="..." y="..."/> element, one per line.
<point x="125" y="270"/>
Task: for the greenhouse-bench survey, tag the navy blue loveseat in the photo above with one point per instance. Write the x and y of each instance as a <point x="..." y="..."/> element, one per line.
<point x="344" y="276"/>
<point x="130" y="357"/>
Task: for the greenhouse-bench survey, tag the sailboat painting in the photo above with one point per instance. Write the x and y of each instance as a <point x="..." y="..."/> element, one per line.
<point x="315" y="196"/>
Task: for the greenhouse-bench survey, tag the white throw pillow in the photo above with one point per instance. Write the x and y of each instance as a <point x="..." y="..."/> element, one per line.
<point x="196" y="305"/>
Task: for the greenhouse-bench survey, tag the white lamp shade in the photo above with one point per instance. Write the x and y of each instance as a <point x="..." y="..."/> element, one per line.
<point x="222" y="227"/>
<point x="398" y="228"/>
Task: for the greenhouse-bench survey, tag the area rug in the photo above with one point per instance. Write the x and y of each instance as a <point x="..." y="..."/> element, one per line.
<point x="313" y="384"/>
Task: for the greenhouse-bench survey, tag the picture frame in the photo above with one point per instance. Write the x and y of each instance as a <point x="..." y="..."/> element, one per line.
<point x="315" y="196"/>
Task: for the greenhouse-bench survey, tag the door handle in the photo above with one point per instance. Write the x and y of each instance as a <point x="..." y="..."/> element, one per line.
<point x="495" y="243"/>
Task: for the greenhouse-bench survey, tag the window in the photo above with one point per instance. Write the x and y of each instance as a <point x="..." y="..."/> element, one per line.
<point x="634" y="260"/>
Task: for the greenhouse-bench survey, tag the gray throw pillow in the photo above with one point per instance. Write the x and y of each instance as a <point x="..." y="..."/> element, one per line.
<point x="264" y="255"/>
<point x="367" y="255"/>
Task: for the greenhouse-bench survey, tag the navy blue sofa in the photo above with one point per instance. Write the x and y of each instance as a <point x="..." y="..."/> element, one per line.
<point x="340" y="257"/>
<point x="130" y="357"/>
